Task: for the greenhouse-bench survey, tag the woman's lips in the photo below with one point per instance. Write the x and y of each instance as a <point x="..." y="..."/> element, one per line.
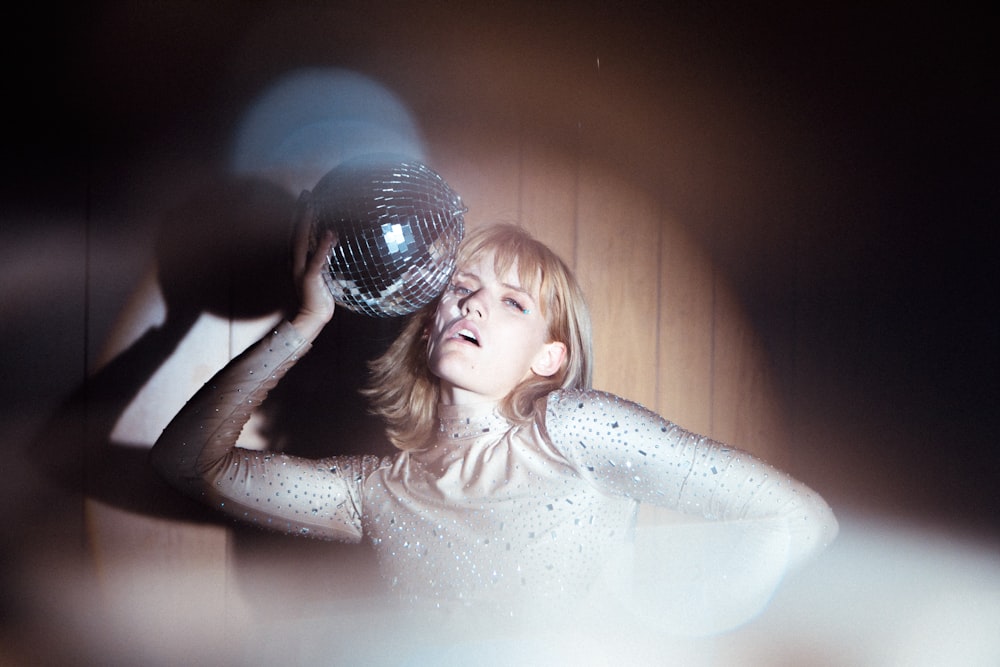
<point x="463" y="330"/>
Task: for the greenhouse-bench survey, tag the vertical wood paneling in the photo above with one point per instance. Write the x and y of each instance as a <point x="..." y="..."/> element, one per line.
<point x="482" y="163"/>
<point x="745" y="410"/>
<point x="684" y="372"/>
<point x="617" y="259"/>
<point x="548" y="196"/>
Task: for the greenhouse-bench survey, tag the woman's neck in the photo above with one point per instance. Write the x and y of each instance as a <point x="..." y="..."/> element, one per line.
<point x="451" y="394"/>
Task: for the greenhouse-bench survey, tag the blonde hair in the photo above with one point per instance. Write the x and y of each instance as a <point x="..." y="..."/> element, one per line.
<point x="405" y="393"/>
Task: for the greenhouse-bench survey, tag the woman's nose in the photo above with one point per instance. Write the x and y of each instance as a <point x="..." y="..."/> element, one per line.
<point x="473" y="305"/>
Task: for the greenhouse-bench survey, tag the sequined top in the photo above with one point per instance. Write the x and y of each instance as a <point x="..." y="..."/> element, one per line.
<point x="489" y="511"/>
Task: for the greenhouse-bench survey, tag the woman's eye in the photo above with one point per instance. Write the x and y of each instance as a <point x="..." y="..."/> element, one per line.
<point x="513" y="303"/>
<point x="461" y="290"/>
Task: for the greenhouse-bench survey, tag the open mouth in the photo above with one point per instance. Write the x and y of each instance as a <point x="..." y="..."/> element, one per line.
<point x="464" y="330"/>
<point x="467" y="335"/>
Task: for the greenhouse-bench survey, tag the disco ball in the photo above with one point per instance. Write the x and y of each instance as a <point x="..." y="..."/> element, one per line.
<point x="398" y="226"/>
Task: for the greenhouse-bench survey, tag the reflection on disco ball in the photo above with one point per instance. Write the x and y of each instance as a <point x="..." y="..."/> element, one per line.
<point x="398" y="226"/>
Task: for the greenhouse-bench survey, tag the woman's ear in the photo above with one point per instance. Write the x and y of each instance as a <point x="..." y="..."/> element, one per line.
<point x="549" y="359"/>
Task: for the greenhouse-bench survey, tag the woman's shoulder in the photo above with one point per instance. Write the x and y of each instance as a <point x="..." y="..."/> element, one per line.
<point x="569" y="411"/>
<point x="562" y="400"/>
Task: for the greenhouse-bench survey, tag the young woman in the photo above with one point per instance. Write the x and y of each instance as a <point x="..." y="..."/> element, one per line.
<point x="515" y="481"/>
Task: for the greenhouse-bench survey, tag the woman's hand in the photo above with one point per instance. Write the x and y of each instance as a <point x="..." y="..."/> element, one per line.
<point x="316" y="304"/>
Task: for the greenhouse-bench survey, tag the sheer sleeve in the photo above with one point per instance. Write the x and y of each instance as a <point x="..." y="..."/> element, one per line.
<point x="197" y="453"/>
<point x="626" y="449"/>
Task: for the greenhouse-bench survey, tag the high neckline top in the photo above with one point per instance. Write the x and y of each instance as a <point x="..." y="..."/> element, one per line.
<point x="460" y="422"/>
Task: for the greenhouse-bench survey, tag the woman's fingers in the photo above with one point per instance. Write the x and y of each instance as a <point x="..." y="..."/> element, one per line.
<point x="309" y="257"/>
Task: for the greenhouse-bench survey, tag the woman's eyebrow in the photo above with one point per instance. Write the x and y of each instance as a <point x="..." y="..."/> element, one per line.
<point x="517" y="289"/>
<point x="467" y="275"/>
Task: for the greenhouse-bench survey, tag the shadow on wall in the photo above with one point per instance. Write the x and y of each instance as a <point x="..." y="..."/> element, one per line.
<point x="204" y="267"/>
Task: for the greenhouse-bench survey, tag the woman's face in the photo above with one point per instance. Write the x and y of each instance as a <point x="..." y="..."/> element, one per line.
<point x="488" y="335"/>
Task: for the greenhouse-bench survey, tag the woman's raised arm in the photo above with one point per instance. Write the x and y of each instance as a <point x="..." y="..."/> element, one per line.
<point x="197" y="452"/>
